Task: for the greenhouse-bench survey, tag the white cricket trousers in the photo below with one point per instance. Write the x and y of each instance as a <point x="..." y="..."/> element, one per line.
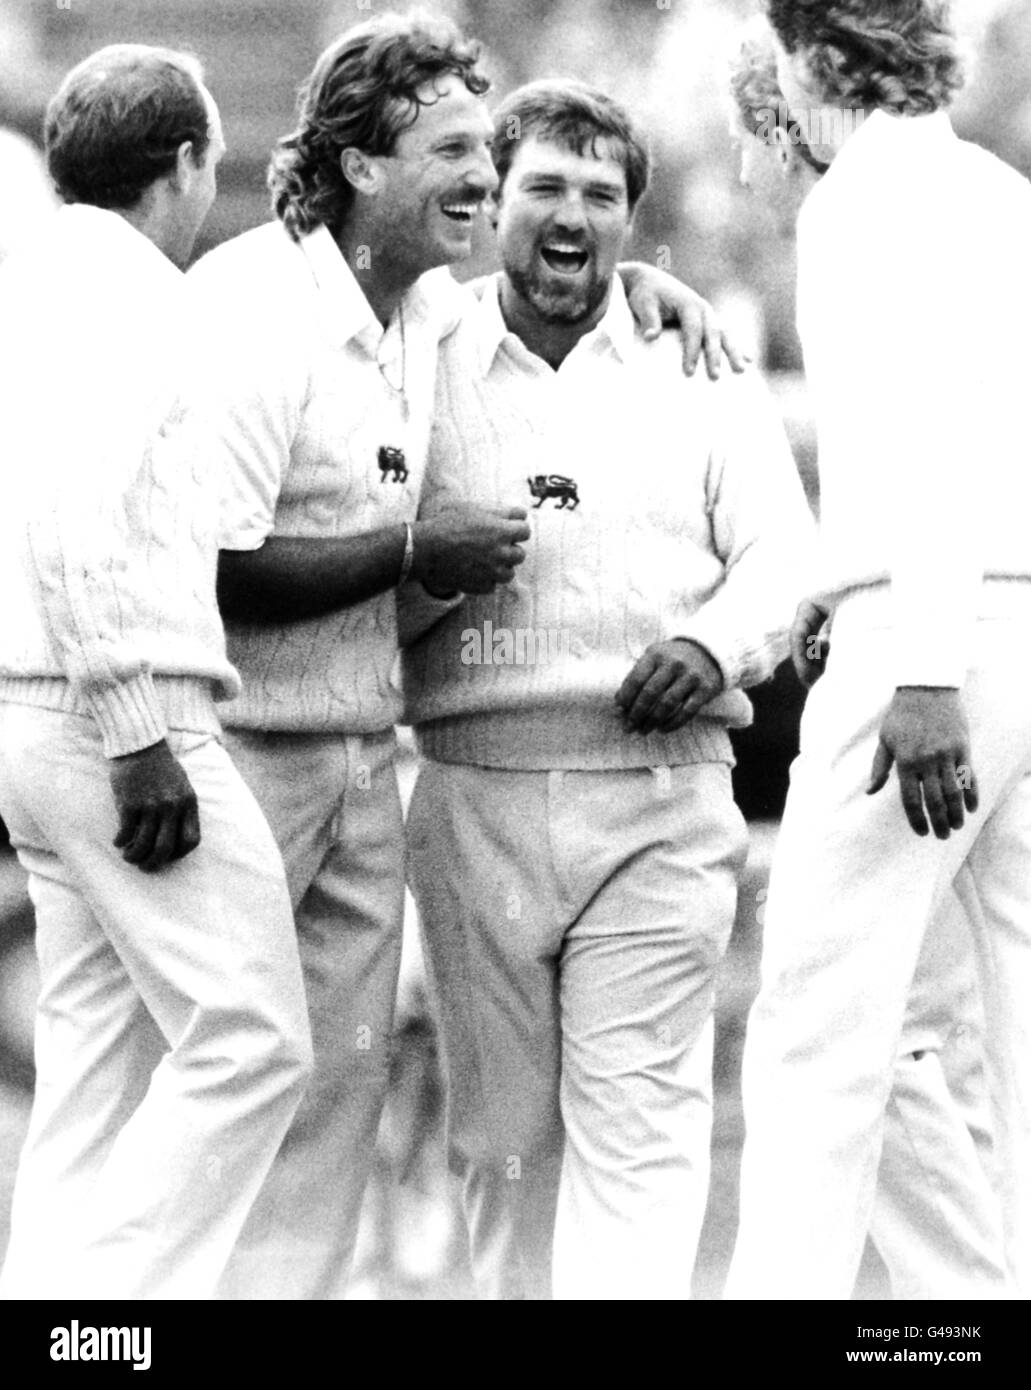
<point x="333" y="804"/>
<point x="851" y="893"/>
<point x="573" y="923"/>
<point x="936" y="1220"/>
<point x="172" y="1045"/>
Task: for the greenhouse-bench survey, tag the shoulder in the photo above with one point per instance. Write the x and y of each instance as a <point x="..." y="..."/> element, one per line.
<point x="257" y="286"/>
<point x="659" y="365"/>
<point x="733" y="398"/>
<point x="251" y="264"/>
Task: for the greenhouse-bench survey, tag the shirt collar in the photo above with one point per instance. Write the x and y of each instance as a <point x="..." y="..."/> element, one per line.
<point x="883" y="140"/>
<point x="84" y="221"/>
<point x="344" y="309"/>
<point x="614" y="333"/>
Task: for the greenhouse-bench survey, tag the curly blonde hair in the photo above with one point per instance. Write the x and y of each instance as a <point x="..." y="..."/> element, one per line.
<point x="758" y="100"/>
<point x="895" y="55"/>
<point x="362" y="93"/>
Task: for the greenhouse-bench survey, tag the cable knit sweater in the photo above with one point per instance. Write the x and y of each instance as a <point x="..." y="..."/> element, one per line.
<point x="107" y="528"/>
<point x="672" y="509"/>
<point x="302" y="390"/>
<point x="914" y="292"/>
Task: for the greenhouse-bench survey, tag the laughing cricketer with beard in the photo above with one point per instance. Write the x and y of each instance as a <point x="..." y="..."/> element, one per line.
<point x="321" y="348"/>
<point x="574" y="845"/>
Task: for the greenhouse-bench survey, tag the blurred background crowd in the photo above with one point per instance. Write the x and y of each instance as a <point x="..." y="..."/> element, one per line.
<point x="667" y="61"/>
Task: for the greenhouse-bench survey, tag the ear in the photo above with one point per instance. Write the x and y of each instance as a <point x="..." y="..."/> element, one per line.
<point x="185" y="170"/>
<point x="363" y="172"/>
<point x="782" y="144"/>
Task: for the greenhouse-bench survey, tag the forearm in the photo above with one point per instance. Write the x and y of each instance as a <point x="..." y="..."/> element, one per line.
<point x="745" y="625"/>
<point x="291" y="578"/>
<point x="91" y="602"/>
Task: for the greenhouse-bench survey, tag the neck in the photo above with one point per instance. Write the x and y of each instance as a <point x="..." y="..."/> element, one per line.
<point x="830" y="128"/>
<point x="549" y="339"/>
<point x="384" y="280"/>
<point x="150" y="216"/>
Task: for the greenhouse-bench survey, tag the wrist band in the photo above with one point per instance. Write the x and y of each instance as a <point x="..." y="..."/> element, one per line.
<point x="409" y="555"/>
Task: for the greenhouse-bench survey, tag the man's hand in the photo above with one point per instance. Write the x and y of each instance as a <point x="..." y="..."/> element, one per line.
<point x="659" y="299"/>
<point x="158" y="820"/>
<point x="810" y="642"/>
<point x="469" y="548"/>
<point x="668" y="686"/>
<point x="925" y="733"/>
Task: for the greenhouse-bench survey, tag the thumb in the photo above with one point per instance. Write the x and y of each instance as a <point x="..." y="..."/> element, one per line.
<point x="882" y="761"/>
<point x="649" y="321"/>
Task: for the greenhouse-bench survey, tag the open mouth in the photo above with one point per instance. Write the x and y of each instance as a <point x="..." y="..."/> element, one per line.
<point x="563" y="258"/>
<point x="461" y="213"/>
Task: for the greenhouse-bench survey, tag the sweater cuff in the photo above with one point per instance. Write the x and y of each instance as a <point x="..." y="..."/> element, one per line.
<point x="129" y="715"/>
<point x="930" y="653"/>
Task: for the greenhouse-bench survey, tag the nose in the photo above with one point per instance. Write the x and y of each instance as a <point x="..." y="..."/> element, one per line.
<point x="571" y="215"/>
<point x="481" y="174"/>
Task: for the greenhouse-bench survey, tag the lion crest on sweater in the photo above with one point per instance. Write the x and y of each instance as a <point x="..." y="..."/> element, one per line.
<point x="546" y="485"/>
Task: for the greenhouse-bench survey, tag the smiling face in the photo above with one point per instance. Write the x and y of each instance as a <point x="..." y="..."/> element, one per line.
<point x="562" y="222"/>
<point x="433" y="185"/>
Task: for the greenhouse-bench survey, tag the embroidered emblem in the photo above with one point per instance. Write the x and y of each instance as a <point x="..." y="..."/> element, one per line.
<point x="392" y="461"/>
<point x="554" y="485"/>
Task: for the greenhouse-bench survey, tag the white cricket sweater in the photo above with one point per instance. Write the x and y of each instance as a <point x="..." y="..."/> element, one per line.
<point x="914" y="295"/>
<point x="690" y="522"/>
<point x="302" y="389"/>
<point x="108" y="524"/>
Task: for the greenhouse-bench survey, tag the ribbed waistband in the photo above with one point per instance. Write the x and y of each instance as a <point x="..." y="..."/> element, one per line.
<point x="568" y="738"/>
<point x="186" y="701"/>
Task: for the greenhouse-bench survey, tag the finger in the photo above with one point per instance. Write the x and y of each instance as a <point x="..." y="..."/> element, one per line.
<point x="739" y="359"/>
<point x="968" y="781"/>
<point x="638" y="715"/>
<point x="799" y="639"/>
<point x="503" y="574"/>
<point x="691" y="343"/>
<point x="513" y="555"/>
<point x="513" y="531"/>
<point x="127" y="823"/>
<point x="882" y="761"/>
<point x="698" y="700"/>
<point x="952" y="794"/>
<point x="514" y="513"/>
<point x="912" y="801"/>
<point x="689" y="709"/>
<point x="670" y="703"/>
<point x="649" y="319"/>
<point x="143" y="840"/>
<point x="807" y="623"/>
<point x="934" y="800"/>
<point x="166" y="838"/>
<point x="628" y="691"/>
<point x="189" y="832"/>
<point x="713" y="347"/>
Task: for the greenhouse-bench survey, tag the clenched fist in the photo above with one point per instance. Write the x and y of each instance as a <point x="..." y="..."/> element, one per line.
<point x="158" y="819"/>
<point x="468" y="548"/>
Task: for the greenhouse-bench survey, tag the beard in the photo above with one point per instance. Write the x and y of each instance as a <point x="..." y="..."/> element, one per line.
<point x="554" y="302"/>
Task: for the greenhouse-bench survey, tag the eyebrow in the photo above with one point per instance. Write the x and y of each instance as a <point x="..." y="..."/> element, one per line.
<point x="462" y="137"/>
<point x="593" y="186"/>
